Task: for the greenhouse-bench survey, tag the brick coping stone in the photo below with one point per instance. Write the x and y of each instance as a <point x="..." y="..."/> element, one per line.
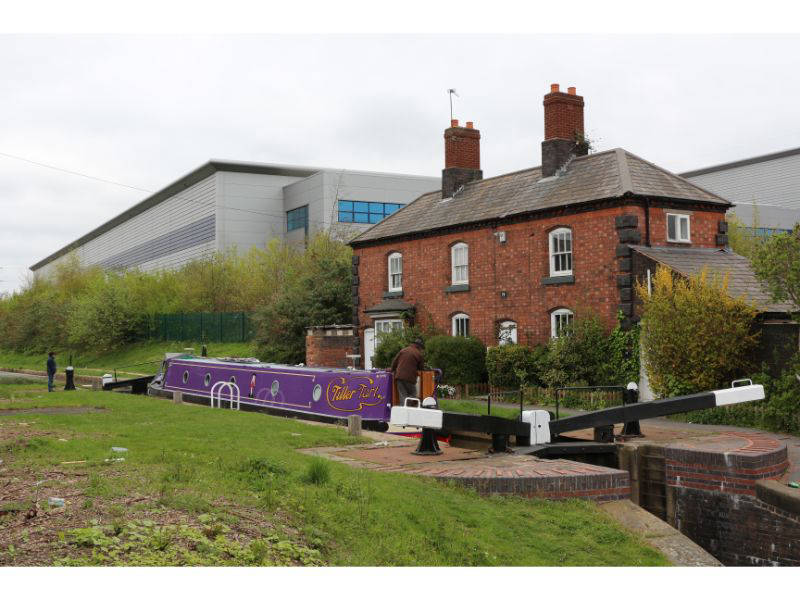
<point x="525" y="476"/>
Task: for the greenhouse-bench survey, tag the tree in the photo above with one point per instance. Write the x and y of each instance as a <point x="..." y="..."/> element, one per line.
<point x="315" y="291"/>
<point x="695" y="336"/>
<point x="776" y="263"/>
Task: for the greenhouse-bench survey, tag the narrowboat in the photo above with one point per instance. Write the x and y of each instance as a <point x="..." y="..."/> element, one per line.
<point x="317" y="392"/>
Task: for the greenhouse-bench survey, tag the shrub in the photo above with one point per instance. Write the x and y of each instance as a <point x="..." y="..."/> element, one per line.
<point x="512" y="365"/>
<point x="587" y="355"/>
<point x="695" y="336"/>
<point x="780" y="411"/>
<point x="461" y="359"/>
<point x="390" y="343"/>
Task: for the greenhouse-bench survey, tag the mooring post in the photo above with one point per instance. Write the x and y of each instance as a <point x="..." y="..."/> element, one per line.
<point x="177" y="397"/>
<point x="354" y="425"/>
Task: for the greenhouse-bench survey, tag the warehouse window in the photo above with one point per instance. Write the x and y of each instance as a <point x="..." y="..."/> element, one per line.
<point x="351" y="211"/>
<point x="561" y="252"/>
<point x="297" y="219"/>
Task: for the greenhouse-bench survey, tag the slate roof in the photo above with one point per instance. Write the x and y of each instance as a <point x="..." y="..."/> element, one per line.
<point x="600" y="176"/>
<point x="390" y="305"/>
<point x="741" y="278"/>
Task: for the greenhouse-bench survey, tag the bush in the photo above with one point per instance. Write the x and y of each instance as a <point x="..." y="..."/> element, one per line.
<point x="461" y="359"/>
<point x="316" y="292"/>
<point x="587" y="355"/>
<point x="389" y="344"/>
<point x="695" y="336"/>
<point x="779" y="412"/>
<point x="513" y="366"/>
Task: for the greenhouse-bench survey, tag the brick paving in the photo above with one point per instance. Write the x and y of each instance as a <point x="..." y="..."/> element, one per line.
<point x="702" y="457"/>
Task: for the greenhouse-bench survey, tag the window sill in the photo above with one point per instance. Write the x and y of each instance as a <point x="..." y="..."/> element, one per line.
<point x="389" y="295"/>
<point x="688" y="242"/>
<point x="559" y="279"/>
<point x="461" y="287"/>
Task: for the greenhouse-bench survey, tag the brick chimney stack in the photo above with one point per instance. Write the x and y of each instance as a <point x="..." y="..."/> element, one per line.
<point x="462" y="157"/>
<point x="563" y="129"/>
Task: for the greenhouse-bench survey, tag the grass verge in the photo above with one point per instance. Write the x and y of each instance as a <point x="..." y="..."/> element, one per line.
<point x="136" y="359"/>
<point x="203" y="486"/>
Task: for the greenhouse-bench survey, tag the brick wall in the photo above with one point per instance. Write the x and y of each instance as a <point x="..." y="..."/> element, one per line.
<point x="329" y="347"/>
<point x="739" y="530"/>
<point x="508" y="281"/>
<point x="462" y="147"/>
<point x="563" y="114"/>
<point x="714" y="498"/>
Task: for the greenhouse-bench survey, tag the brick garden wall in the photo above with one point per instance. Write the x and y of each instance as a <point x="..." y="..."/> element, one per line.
<point x="329" y="347"/>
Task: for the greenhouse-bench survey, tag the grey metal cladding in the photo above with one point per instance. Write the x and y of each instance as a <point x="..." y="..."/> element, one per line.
<point x="188" y="236"/>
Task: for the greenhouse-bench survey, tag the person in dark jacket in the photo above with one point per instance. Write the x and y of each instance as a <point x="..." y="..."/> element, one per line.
<point x="405" y="366"/>
<point x="51" y="370"/>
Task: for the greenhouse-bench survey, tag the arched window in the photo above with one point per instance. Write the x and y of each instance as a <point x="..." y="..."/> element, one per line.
<point x="507" y="333"/>
<point x="559" y="320"/>
<point x="395" y="272"/>
<point x="459" y="259"/>
<point x="560" y="241"/>
<point x="461" y="324"/>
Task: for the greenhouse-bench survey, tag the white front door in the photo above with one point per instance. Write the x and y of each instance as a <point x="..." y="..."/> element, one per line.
<point x="369" y="347"/>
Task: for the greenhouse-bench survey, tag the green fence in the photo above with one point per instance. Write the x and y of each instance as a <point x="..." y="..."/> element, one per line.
<point x="203" y="327"/>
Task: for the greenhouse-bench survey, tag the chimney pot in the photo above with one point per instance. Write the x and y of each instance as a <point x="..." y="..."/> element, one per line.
<point x="454" y="123"/>
<point x="469" y="124"/>
<point x="553" y="87"/>
<point x="571" y="91"/>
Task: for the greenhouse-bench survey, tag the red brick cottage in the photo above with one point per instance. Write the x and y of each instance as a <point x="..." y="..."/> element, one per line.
<point x="517" y="255"/>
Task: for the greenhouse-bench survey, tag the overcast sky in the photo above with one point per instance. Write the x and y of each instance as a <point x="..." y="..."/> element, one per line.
<point x="144" y="110"/>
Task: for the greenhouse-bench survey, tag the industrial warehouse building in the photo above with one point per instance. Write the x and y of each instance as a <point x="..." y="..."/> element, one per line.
<point x="226" y="205"/>
<point x="765" y="189"/>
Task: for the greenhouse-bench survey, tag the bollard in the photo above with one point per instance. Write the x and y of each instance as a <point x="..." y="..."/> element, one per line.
<point x="354" y="425"/>
<point x="177" y="397"/>
<point x="70" y="384"/>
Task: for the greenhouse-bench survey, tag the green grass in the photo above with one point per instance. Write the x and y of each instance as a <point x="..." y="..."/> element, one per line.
<point x="210" y="465"/>
<point x="98" y="363"/>
<point x="479" y="407"/>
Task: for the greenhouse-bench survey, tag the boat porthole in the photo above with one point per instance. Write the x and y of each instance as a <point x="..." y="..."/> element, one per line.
<point x="233" y="379"/>
<point x="185" y="376"/>
<point x="207" y="380"/>
<point x="317" y="393"/>
<point x="274" y="389"/>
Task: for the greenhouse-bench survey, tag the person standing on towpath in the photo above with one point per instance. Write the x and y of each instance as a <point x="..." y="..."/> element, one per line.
<point x="51" y="370"/>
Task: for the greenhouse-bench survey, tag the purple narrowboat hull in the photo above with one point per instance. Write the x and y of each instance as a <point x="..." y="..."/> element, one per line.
<point x="331" y="393"/>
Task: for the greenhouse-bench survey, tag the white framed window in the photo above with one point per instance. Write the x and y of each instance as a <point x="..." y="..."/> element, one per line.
<point x="560" y="241"/>
<point x="507" y="333"/>
<point x="395" y="272"/>
<point x="559" y="320"/>
<point x="387" y="325"/>
<point x="461" y="324"/>
<point x="678" y="228"/>
<point x="459" y="259"/>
